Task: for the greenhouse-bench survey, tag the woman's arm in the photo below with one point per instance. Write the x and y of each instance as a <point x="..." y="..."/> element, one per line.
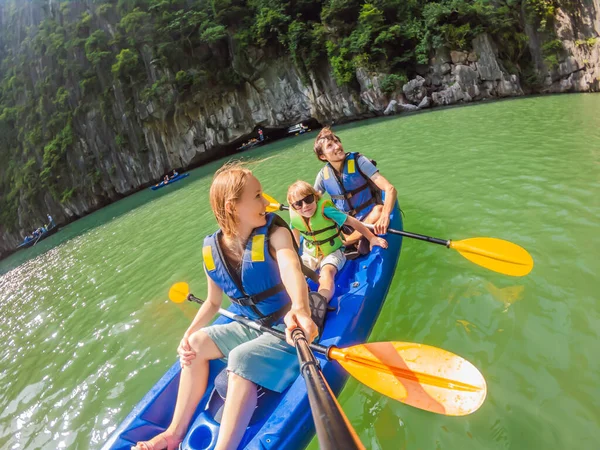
<point x="214" y="299"/>
<point x="295" y="285"/>
<point x="296" y="234"/>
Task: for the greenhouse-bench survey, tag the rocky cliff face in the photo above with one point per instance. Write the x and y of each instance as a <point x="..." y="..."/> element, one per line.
<point x="141" y="143"/>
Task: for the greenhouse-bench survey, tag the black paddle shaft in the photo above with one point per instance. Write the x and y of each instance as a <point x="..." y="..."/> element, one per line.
<point x="258" y="327"/>
<point x="333" y="429"/>
<point x="420" y="237"/>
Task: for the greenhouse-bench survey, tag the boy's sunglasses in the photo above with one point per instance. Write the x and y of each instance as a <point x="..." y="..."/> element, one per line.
<point x="309" y="199"/>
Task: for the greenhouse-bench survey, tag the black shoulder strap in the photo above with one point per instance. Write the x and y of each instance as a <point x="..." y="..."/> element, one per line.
<point x="375" y="191"/>
<point x="233" y="274"/>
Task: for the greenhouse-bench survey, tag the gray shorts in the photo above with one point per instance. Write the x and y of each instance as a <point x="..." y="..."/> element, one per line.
<point x="337" y="259"/>
<point x="260" y="358"/>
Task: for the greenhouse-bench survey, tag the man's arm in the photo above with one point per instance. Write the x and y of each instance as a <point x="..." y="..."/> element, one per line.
<point x="391" y="195"/>
<point x="319" y="186"/>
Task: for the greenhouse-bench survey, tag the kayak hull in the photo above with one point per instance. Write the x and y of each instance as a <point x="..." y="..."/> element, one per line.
<point x="162" y="183"/>
<point x="282" y="421"/>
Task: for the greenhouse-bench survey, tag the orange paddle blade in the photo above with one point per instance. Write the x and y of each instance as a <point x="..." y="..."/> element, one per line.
<point x="179" y="292"/>
<point x="495" y="254"/>
<point x="425" y="377"/>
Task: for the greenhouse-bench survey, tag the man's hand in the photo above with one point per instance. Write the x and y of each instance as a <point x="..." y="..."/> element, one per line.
<point x="381" y="226"/>
<point x="300" y="319"/>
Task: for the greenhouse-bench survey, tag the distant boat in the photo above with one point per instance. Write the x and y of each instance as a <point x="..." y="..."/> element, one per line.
<point x="249" y="145"/>
<point x="44" y="235"/>
<point x="172" y="180"/>
<point x="297" y="129"/>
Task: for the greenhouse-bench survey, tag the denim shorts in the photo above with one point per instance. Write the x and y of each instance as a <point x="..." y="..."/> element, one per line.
<point x="259" y="357"/>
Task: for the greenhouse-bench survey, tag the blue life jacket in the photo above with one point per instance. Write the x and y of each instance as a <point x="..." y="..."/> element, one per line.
<point x="354" y="193"/>
<point x="257" y="289"/>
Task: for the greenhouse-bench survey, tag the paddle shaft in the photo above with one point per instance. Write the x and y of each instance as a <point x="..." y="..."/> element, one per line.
<point x="420" y="237"/>
<point x="36" y="241"/>
<point x="333" y="429"/>
<point x="258" y="327"/>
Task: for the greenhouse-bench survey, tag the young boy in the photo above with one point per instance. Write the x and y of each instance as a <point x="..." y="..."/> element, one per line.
<point x="354" y="184"/>
<point x="319" y="221"/>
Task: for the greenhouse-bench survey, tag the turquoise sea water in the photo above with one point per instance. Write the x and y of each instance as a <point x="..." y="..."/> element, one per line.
<point x="87" y="328"/>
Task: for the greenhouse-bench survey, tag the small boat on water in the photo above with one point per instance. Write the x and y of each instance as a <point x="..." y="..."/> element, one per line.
<point x="297" y="129"/>
<point x="172" y="180"/>
<point x="33" y="241"/>
<point x="250" y="144"/>
<point x="281" y="420"/>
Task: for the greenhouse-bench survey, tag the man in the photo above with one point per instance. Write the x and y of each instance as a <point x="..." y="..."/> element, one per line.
<point x="50" y="221"/>
<point x="354" y="184"/>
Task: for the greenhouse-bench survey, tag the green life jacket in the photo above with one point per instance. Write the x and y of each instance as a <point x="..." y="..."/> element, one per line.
<point x="322" y="235"/>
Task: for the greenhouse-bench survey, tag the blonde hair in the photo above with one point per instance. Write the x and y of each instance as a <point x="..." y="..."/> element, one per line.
<point x="227" y="186"/>
<point x="300" y="189"/>
<point x="324" y="136"/>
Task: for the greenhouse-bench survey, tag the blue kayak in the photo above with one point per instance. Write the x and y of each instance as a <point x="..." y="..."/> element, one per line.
<point x="281" y="420"/>
<point x="171" y="181"/>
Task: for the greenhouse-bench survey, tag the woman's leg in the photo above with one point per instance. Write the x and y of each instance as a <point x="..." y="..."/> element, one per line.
<point x="239" y="406"/>
<point x="192" y="385"/>
<point x="267" y="361"/>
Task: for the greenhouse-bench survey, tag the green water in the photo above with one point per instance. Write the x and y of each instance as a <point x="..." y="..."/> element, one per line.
<point x="86" y="327"/>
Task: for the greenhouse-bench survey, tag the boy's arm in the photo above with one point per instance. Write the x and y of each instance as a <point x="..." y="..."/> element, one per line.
<point x="391" y="195"/>
<point x="358" y="226"/>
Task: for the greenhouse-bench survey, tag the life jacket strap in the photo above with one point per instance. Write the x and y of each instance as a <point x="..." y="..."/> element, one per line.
<point x="347" y="195"/>
<point x="253" y="300"/>
<point x="275" y="317"/>
<point x="325" y="241"/>
<point x="362" y="206"/>
<point x="315" y="232"/>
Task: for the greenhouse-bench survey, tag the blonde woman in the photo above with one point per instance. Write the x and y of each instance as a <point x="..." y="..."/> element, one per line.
<point x="251" y="259"/>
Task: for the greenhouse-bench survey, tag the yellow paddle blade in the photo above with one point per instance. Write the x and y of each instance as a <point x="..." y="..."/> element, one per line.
<point x="495" y="254"/>
<point x="179" y="292"/>
<point x="274" y="205"/>
<point x="425" y="377"/>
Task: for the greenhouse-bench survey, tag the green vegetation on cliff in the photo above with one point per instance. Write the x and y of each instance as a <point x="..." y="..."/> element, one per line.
<point x="62" y="60"/>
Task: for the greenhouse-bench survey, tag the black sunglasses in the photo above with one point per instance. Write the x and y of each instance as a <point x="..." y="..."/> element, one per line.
<point x="309" y="199"/>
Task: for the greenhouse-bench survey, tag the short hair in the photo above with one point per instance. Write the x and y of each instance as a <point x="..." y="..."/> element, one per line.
<point x="324" y="136"/>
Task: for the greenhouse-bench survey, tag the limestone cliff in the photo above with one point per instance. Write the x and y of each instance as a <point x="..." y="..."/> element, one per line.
<point x="119" y="151"/>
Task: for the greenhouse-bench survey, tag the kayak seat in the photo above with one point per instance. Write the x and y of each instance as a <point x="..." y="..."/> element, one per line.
<point x="351" y="253"/>
<point x="216" y="402"/>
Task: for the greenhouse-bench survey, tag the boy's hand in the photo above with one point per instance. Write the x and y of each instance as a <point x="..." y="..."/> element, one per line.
<point x="377" y="241"/>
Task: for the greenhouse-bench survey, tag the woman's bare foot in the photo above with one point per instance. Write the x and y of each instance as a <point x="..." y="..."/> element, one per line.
<point x="162" y="441"/>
